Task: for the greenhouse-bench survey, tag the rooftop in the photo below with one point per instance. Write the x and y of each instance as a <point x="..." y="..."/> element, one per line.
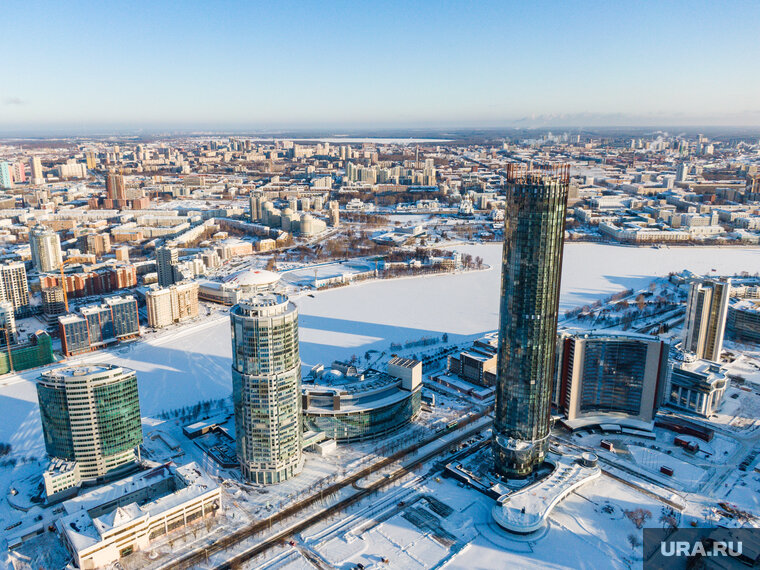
<point x="253" y="278"/>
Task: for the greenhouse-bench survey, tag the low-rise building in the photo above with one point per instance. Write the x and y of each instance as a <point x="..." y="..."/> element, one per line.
<point x="695" y="385"/>
<point x="477" y="364"/>
<point x="115" y="520"/>
<point x="348" y="405"/>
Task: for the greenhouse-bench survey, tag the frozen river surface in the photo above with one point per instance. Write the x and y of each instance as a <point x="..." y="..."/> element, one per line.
<point x="182" y="367"/>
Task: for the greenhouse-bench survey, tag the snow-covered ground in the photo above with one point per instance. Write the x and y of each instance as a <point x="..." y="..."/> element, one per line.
<point x="382" y="529"/>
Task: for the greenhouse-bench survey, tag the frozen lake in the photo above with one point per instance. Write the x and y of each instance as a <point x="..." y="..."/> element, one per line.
<point x="192" y="364"/>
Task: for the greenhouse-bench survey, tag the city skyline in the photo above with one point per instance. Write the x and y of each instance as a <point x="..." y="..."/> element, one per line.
<point x="427" y="65"/>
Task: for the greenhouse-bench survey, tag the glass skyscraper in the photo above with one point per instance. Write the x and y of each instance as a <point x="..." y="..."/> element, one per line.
<point x="91" y="415"/>
<point x="534" y="226"/>
<point x="266" y="388"/>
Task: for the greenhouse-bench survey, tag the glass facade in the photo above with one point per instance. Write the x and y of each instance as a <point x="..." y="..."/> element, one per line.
<point x="534" y="224"/>
<point x="56" y="427"/>
<point x="348" y="426"/>
<point x="117" y="409"/>
<point x="91" y="415"/>
<point x="266" y="391"/>
<point x="613" y="376"/>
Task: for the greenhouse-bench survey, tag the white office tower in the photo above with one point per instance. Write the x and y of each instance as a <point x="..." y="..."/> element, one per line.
<point x="266" y="391"/>
<point x="46" y="249"/>
<point x="706" y="311"/>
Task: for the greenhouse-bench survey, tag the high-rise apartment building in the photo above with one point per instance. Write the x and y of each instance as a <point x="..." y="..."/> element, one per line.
<point x="53" y="304"/>
<point x="17" y="170"/>
<point x="14" y="286"/>
<point x="167" y="266"/>
<point x="35" y="167"/>
<point x="257" y="198"/>
<point x="6" y="175"/>
<point x="46" y="249"/>
<point x="173" y="304"/>
<point x="266" y="378"/>
<point x="97" y="326"/>
<point x="115" y="187"/>
<point x="534" y="222"/>
<point x="334" y="213"/>
<point x="91" y="415"/>
<point x="705" y="325"/>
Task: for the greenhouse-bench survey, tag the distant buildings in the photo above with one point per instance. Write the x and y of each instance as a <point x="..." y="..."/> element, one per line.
<point x="90" y="418"/>
<point x="334" y="213"/>
<point x="97" y="326"/>
<point x="14" y="286"/>
<point x="266" y="378"/>
<point x="95" y="282"/>
<point x="705" y="323"/>
<point x="6" y="175"/>
<point x="350" y="406"/>
<point x="46" y="249"/>
<point x="255" y="201"/>
<point x="35" y="166"/>
<point x="532" y="259"/>
<point x="173" y="304"/>
<point x="610" y="374"/>
<point x="695" y="384"/>
<point x="115" y="187"/>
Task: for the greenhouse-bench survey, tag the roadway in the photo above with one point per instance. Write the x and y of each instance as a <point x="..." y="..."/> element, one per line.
<point x="464" y="429"/>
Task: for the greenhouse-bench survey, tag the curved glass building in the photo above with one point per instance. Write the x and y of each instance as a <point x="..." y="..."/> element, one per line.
<point x="610" y="374"/>
<point x="91" y="415"/>
<point x="266" y="378"/>
<point x="360" y="406"/>
<point x="534" y="226"/>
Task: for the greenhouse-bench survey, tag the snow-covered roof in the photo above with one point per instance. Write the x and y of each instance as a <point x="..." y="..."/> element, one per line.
<point x="253" y="278"/>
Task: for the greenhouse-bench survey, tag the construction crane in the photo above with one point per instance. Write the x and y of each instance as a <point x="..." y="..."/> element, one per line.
<point x="63" y="278"/>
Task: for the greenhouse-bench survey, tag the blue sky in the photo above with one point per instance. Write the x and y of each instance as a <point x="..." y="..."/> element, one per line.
<point x="281" y="64"/>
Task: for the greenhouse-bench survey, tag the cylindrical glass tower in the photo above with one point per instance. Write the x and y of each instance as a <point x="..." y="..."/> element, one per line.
<point x="266" y="391"/>
<point x="534" y="226"/>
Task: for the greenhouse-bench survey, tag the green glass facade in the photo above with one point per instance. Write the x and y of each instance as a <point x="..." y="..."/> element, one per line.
<point x="37" y="352"/>
<point x="56" y="425"/>
<point x="534" y="225"/>
<point x="117" y="409"/>
<point x="91" y="415"/>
